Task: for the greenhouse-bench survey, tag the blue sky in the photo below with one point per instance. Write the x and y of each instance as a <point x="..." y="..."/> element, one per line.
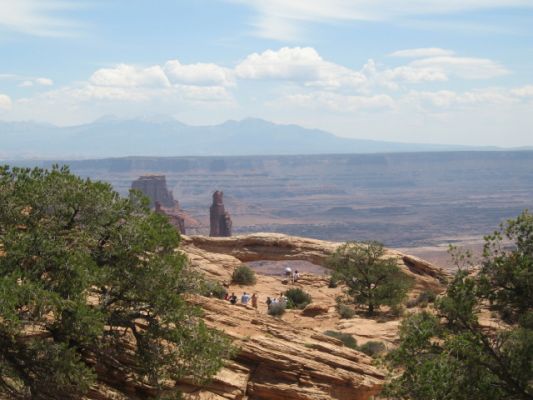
<point x="433" y="71"/>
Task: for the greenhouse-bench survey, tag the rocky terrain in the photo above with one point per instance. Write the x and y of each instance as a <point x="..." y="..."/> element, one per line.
<point x="288" y="357"/>
<point x="291" y="358"/>
<point x="408" y="201"/>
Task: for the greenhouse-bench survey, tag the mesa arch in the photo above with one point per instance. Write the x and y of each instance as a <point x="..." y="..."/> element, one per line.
<point x="280" y="247"/>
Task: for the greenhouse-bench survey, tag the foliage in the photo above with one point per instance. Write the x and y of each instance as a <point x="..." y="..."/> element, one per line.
<point x="276" y="309"/>
<point x="371" y="279"/>
<point x="347" y="339"/>
<point x="451" y="355"/>
<point x="373" y="348"/>
<point x="297" y="298"/>
<point x="345" y="311"/>
<point x="213" y="289"/>
<point x="82" y="270"/>
<point x="332" y="283"/>
<point x="243" y="275"/>
<point x="423" y="299"/>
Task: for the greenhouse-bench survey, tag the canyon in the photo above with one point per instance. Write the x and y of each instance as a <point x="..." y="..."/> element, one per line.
<point x="417" y="202"/>
<point x="288" y="357"/>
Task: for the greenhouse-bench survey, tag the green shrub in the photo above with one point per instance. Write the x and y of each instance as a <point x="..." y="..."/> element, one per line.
<point x="276" y="309"/>
<point x="345" y="311"/>
<point x="214" y="289"/>
<point x="297" y="298"/>
<point x="243" y="275"/>
<point x="332" y="284"/>
<point x="422" y="300"/>
<point x="397" y="310"/>
<point x="345" y="338"/>
<point x="373" y="348"/>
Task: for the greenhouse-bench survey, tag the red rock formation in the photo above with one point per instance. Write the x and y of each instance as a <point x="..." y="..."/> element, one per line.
<point x="174" y="215"/>
<point x="219" y="218"/>
<point x="155" y="188"/>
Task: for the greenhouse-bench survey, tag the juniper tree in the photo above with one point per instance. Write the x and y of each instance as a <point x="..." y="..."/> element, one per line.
<point x="451" y="354"/>
<point x="371" y="279"/>
<point x="82" y="272"/>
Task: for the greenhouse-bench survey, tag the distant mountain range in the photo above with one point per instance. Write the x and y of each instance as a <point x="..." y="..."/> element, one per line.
<point x="112" y="137"/>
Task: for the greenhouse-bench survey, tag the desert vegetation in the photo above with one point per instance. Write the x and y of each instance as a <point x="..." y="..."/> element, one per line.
<point x="297" y="298"/>
<point x="371" y="279"/>
<point x="243" y="275"/>
<point x="453" y="353"/>
<point x="82" y="272"/>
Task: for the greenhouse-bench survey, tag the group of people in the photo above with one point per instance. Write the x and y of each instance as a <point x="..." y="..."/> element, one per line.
<point x="293" y="276"/>
<point x="282" y="299"/>
<point x="245" y="299"/>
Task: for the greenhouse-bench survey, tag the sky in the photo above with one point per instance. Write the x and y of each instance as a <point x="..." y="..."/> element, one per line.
<point x="425" y="71"/>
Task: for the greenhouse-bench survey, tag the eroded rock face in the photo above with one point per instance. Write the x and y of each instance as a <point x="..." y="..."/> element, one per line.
<point x="280" y="247"/>
<point x="220" y="220"/>
<point x="278" y="362"/>
<point x="155" y="188"/>
<point x="175" y="216"/>
<point x="286" y="358"/>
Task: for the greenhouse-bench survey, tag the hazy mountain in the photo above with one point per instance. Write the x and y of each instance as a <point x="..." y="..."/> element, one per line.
<point x="163" y="136"/>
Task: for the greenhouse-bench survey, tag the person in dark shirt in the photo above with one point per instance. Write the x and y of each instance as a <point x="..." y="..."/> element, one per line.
<point x="233" y="299"/>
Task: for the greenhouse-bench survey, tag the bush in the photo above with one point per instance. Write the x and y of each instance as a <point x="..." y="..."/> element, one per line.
<point x="332" y="284"/>
<point x="372" y="279"/>
<point x="397" y="310"/>
<point x="345" y="338"/>
<point x="214" y="289"/>
<point x="345" y="311"/>
<point x="297" y="298"/>
<point x="422" y="300"/>
<point x="243" y="275"/>
<point x="276" y="309"/>
<point x="88" y="269"/>
<point x="373" y="348"/>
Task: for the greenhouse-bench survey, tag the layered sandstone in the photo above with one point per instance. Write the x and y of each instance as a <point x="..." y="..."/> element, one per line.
<point x="219" y="218"/>
<point x="280" y="247"/>
<point x="161" y="199"/>
<point x="175" y="216"/>
<point x="287" y="358"/>
<point x="155" y="188"/>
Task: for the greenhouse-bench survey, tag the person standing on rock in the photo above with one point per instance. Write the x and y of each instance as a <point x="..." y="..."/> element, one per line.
<point x="268" y="302"/>
<point x="245" y="298"/>
<point x="295" y="276"/>
<point x="233" y="299"/>
<point x="254" y="301"/>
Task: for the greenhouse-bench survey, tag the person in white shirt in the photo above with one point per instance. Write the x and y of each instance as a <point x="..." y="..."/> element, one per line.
<point x="245" y="298"/>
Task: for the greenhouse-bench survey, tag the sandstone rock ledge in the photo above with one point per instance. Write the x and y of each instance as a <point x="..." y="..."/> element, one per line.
<point x="277" y="362"/>
<point x="227" y="252"/>
<point x="280" y="359"/>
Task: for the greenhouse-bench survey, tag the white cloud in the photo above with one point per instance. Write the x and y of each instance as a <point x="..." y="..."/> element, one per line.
<point x="339" y="102"/>
<point x="37" y="81"/>
<point x="44" y="81"/>
<point x="524" y="91"/>
<point x="37" y="17"/>
<point x="298" y="64"/>
<point x="445" y="99"/>
<point x="26" y="83"/>
<point x="414" y="75"/>
<point x="462" y="67"/>
<point x="203" y="74"/>
<point x="5" y="102"/>
<point x="283" y="20"/>
<point x="124" y="75"/>
<point x="422" y="52"/>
